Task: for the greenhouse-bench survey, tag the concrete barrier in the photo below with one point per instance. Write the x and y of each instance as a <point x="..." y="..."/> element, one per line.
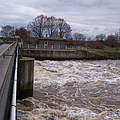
<point x="25" y="77"/>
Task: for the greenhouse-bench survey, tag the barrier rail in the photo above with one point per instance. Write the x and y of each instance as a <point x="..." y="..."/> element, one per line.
<point x="14" y="92"/>
<point x="42" y="47"/>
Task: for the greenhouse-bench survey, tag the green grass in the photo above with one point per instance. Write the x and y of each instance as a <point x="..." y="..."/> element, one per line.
<point x="106" y="52"/>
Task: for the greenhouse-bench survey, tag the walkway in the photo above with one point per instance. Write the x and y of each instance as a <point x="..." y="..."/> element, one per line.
<point x="3" y="47"/>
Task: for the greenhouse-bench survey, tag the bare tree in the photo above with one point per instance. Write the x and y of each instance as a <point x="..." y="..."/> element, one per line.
<point x="7" y="31"/>
<point x="117" y="35"/>
<point x="63" y="28"/>
<point x="37" y="26"/>
<point x="111" y="41"/>
<point x="100" y="37"/>
<point x="68" y="36"/>
<point x="79" y="36"/>
<point x="51" y="26"/>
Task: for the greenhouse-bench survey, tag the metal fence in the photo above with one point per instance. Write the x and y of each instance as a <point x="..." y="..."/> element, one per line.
<point x="34" y="45"/>
<point x="7" y="59"/>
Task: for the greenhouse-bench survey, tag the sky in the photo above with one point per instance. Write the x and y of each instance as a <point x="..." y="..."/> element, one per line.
<point x="85" y="16"/>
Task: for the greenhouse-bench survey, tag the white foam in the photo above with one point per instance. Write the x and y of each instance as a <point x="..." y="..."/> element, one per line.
<point x="61" y="72"/>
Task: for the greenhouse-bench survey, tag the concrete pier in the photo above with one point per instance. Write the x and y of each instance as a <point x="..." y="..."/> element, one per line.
<point x="25" y="77"/>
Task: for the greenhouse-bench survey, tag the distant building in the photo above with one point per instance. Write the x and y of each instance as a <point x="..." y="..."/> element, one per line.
<point x="58" y="43"/>
<point x="48" y="43"/>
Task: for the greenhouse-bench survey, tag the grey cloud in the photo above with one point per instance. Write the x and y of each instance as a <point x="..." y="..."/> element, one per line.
<point x="83" y="15"/>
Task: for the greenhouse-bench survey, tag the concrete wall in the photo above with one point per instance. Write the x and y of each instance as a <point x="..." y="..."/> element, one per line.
<point x="54" y="54"/>
<point x="25" y="78"/>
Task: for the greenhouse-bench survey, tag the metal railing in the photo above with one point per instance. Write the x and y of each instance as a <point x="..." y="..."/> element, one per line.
<point x="51" y="47"/>
<point x="14" y="92"/>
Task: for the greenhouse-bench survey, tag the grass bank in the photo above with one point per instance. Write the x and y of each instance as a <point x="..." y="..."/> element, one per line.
<point x="106" y="53"/>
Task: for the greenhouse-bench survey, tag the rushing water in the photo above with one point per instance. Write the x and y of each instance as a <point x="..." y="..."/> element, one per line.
<point x="73" y="90"/>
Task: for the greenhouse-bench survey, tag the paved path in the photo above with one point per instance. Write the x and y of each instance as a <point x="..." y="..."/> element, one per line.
<point x="3" y="47"/>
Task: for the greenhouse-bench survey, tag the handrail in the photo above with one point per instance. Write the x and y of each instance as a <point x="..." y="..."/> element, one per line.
<point x="13" y="105"/>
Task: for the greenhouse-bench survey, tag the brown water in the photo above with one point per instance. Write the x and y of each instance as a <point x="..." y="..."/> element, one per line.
<point x="73" y="90"/>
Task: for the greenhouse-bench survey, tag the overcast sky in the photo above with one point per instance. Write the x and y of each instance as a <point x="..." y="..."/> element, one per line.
<point x="86" y="16"/>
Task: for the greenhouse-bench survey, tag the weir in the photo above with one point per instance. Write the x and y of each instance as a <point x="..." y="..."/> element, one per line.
<point x="54" y="54"/>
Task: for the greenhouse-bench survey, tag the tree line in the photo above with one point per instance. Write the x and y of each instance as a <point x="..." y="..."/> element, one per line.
<point x="52" y="27"/>
<point x="42" y="26"/>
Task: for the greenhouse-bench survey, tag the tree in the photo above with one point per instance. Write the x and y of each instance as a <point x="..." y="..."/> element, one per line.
<point x="37" y="26"/>
<point x="100" y="37"/>
<point x="22" y="33"/>
<point x="117" y="35"/>
<point x="68" y="36"/>
<point x="51" y="26"/>
<point x="111" y="41"/>
<point x="79" y="36"/>
<point x="43" y="26"/>
<point x="7" y="31"/>
<point x="63" y="28"/>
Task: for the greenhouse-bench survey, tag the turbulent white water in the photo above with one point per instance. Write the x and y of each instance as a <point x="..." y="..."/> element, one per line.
<point x="73" y="90"/>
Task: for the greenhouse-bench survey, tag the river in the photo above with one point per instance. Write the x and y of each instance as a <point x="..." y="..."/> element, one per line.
<point x="73" y="90"/>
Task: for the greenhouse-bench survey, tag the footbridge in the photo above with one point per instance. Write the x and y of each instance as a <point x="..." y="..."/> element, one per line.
<point x="7" y="65"/>
<point x="16" y="79"/>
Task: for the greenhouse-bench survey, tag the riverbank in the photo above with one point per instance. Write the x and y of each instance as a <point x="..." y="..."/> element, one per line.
<point x="105" y="53"/>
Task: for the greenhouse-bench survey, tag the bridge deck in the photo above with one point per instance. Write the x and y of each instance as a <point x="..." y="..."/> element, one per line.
<point x="3" y="47"/>
<point x="7" y="58"/>
<point x="4" y="61"/>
